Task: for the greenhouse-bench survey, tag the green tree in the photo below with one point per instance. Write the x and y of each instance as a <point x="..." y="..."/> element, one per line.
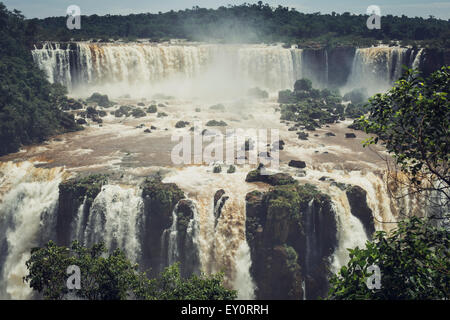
<point x="414" y="262"/>
<point x="113" y="277"/>
<point x="413" y="119"/>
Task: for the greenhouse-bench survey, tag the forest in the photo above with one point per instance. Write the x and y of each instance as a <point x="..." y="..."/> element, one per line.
<point x="29" y="104"/>
<point x="256" y="22"/>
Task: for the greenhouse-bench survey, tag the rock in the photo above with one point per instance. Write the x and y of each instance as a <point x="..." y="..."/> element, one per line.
<point x="97" y="119"/>
<point x="153" y="127"/>
<point x="101" y="100"/>
<point x="217" y="168"/>
<point x="91" y="112"/>
<point x="161" y="114"/>
<point x="152" y="109"/>
<point x="181" y="124"/>
<point x="147" y="131"/>
<point x="122" y="111"/>
<point x="138" y="113"/>
<point x="297" y="164"/>
<point x="71" y="104"/>
<point x="357" y="198"/>
<point x="302" y="135"/>
<point x="214" y="123"/>
<point x="272" y="179"/>
<point x="231" y="169"/>
<point x="330" y="134"/>
<point x="350" y="135"/>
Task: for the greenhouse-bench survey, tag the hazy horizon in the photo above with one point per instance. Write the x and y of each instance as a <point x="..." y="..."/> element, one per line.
<point x="49" y="8"/>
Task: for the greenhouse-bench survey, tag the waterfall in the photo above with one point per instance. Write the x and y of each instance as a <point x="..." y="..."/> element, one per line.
<point x="350" y="231"/>
<point x="114" y="218"/>
<point x="29" y="198"/>
<point x="55" y="62"/>
<point x="417" y="59"/>
<point x="220" y="238"/>
<point x="78" y="223"/>
<point x="156" y="67"/>
<point x="376" y="68"/>
<point x="169" y="241"/>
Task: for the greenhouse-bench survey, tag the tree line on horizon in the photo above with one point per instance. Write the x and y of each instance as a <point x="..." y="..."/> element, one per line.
<point x="255" y="22"/>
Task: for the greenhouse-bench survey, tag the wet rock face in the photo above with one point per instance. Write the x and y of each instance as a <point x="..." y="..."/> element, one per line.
<point x="72" y="193"/>
<point x="340" y="61"/>
<point x="160" y="200"/>
<point x="291" y="231"/>
<point x="357" y="198"/>
<point x="188" y="254"/>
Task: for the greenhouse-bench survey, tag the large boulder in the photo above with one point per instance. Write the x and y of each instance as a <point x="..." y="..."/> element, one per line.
<point x="297" y="164"/>
<point x="357" y="198"/>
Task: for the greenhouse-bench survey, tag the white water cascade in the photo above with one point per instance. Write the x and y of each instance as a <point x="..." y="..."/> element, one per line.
<point x="29" y="198"/>
<point x="376" y="68"/>
<point x="114" y="219"/>
<point x="143" y="68"/>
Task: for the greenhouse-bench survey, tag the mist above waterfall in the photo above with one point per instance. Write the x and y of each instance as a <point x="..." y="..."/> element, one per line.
<point x="214" y="71"/>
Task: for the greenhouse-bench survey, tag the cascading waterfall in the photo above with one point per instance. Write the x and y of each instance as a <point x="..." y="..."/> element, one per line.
<point x="113" y="219"/>
<point x="28" y="202"/>
<point x="55" y="62"/>
<point x="350" y="231"/>
<point x="220" y="239"/>
<point x="231" y="250"/>
<point x="377" y="68"/>
<point x="147" y="65"/>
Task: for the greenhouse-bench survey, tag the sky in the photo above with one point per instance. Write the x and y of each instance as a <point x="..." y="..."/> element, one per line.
<point x="47" y="8"/>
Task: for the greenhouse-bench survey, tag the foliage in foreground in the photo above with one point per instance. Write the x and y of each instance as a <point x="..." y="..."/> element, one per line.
<point x="414" y="262"/>
<point x="113" y="277"/>
<point x="413" y="118"/>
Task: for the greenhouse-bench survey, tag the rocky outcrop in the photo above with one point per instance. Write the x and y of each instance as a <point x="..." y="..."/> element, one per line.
<point x="357" y="198"/>
<point x="297" y="164"/>
<point x="160" y="200"/>
<point x="72" y="194"/>
<point x="277" y="179"/>
<point x="187" y="255"/>
<point x="291" y="231"/>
